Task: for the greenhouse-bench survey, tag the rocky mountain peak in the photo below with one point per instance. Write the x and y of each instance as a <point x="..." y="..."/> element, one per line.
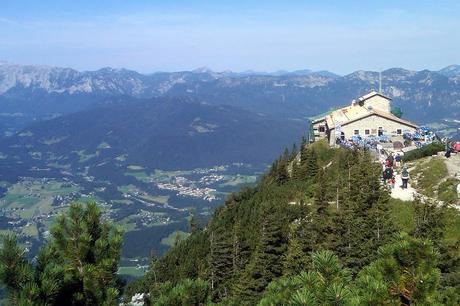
<point x="451" y="71"/>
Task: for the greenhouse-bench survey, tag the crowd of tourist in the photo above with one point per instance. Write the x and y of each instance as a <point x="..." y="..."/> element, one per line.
<point x="390" y="164"/>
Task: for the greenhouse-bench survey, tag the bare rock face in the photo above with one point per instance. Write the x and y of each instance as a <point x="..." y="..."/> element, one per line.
<point x="136" y="300"/>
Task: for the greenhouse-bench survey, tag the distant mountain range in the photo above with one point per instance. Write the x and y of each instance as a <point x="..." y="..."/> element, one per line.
<point x="452" y="71"/>
<point x="109" y="81"/>
<point x="31" y="93"/>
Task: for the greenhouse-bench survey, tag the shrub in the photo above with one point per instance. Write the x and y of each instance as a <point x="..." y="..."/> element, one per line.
<point x="397" y="111"/>
<point x="428" y="150"/>
<point x="186" y="292"/>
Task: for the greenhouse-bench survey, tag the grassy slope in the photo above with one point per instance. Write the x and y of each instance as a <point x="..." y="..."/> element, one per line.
<point x="429" y="173"/>
<point x="430" y="177"/>
<point x="432" y="180"/>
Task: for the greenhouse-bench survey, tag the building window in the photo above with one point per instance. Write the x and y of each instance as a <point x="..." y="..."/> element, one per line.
<point x="380" y="131"/>
<point x="322" y="129"/>
<point x="374" y="131"/>
<point x="399" y="131"/>
<point x="356" y="132"/>
<point x="367" y="132"/>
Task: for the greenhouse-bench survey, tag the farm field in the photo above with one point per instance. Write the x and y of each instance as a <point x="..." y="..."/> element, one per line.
<point x="152" y="207"/>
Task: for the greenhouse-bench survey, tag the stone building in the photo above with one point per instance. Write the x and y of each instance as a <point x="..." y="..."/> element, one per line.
<point x="369" y="115"/>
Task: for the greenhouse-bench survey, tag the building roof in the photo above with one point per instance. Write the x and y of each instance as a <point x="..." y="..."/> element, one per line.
<point x="320" y="117"/>
<point x="373" y="93"/>
<point x="357" y="111"/>
<point x="331" y="123"/>
<point x="346" y="114"/>
<point x="338" y="116"/>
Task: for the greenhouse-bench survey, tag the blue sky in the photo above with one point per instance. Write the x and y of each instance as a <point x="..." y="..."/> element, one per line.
<point x="339" y="36"/>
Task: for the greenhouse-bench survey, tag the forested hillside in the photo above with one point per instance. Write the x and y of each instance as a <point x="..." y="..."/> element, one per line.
<point x="318" y="229"/>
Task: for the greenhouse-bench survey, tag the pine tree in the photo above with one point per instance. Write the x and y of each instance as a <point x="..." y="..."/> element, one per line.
<point x="311" y="164"/>
<point x="308" y="162"/>
<point x="322" y="218"/>
<point x="302" y="173"/>
<point x="152" y="276"/>
<point x="295" y="259"/>
<point x="303" y="143"/>
<point x="296" y="173"/>
<point x="185" y="292"/>
<point x="265" y="263"/>
<point x="286" y="155"/>
<point x="405" y="273"/>
<point x="430" y="223"/>
<point x="270" y="176"/>
<point x="294" y="152"/>
<point x="15" y="272"/>
<point x="89" y="251"/>
<point x="327" y="283"/>
<point x="321" y="202"/>
<point x="303" y="152"/>
<point x="281" y="175"/>
<point x="221" y="262"/>
<point x="237" y="249"/>
<point x="193" y="223"/>
<point x="78" y="266"/>
<point x="363" y="222"/>
<point x="429" y="220"/>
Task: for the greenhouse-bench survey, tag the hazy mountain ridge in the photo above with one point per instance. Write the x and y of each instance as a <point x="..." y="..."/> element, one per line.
<point x="120" y="81"/>
<point x="424" y="96"/>
<point x="166" y="133"/>
<point x="451" y="71"/>
<point x="112" y="81"/>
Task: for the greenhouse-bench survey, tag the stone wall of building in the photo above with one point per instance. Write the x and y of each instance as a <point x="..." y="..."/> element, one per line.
<point x="379" y="103"/>
<point x="319" y="130"/>
<point x="371" y="124"/>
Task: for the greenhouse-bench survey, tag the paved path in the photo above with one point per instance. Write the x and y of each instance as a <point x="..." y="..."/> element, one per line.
<point x="406" y="194"/>
<point x="453" y="167"/>
<point x="397" y="192"/>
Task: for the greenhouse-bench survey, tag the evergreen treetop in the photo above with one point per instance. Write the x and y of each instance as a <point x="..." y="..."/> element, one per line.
<point x="76" y="267"/>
